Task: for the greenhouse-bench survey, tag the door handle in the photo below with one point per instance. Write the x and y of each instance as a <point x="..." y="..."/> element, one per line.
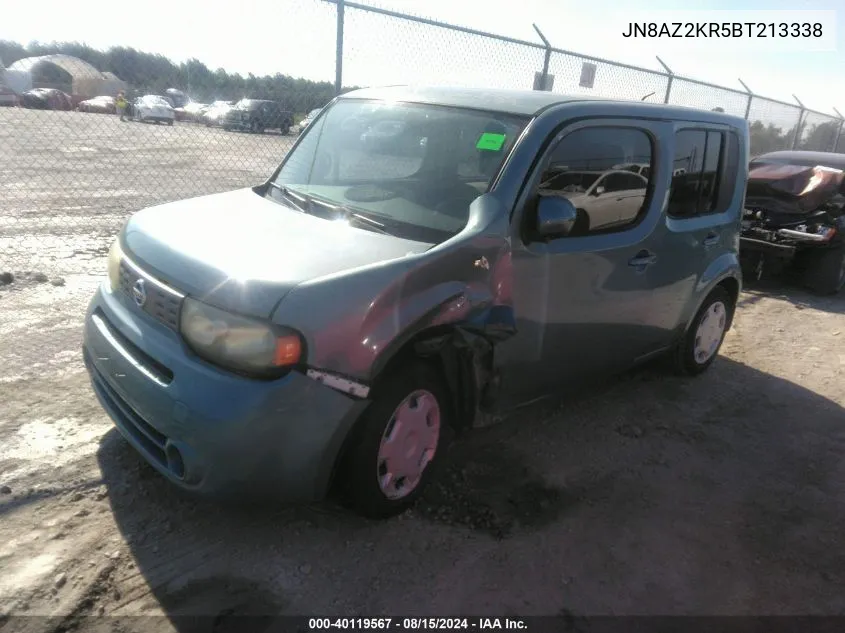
<point x="711" y="240"/>
<point x="642" y="259"/>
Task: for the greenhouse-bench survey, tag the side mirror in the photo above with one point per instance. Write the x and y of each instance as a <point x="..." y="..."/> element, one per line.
<point x="555" y="216"/>
<point x="598" y="190"/>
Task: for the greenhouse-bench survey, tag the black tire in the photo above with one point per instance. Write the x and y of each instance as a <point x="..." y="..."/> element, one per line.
<point x="357" y="478"/>
<point x="255" y="127"/>
<point x="825" y="271"/>
<point x="684" y="360"/>
<point x="169" y="122"/>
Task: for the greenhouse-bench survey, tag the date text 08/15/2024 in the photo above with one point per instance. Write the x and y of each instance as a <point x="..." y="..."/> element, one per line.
<point x="415" y="624"/>
<point x="779" y="30"/>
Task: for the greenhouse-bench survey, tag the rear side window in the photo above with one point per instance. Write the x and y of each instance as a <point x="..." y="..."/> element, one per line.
<point x="701" y="183"/>
<point x="604" y="171"/>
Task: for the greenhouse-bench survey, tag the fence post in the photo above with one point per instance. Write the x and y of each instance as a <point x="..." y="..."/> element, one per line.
<point x="338" y="63"/>
<point x="670" y="78"/>
<point x="750" y="98"/>
<point x="547" y="58"/>
<point x="798" y="128"/>
<point x="838" y="131"/>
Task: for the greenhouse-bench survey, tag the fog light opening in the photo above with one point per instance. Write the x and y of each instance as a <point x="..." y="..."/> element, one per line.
<point x="175" y="463"/>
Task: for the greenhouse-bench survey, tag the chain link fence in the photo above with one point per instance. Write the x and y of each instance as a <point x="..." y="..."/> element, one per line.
<point x="72" y="171"/>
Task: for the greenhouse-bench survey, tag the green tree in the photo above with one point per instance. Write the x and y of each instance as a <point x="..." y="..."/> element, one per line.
<point x="152" y="73"/>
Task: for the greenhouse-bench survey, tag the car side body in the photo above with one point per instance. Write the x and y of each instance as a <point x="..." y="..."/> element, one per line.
<point x="504" y="296"/>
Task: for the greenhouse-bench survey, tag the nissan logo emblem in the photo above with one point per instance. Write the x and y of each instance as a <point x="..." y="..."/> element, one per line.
<point x="139" y="293"/>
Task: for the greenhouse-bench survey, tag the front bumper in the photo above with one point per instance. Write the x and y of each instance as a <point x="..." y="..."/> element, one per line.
<point x="774" y="249"/>
<point x="204" y="429"/>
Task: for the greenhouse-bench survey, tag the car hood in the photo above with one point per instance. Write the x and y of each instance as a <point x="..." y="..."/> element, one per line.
<point x="244" y="253"/>
<point x="792" y="189"/>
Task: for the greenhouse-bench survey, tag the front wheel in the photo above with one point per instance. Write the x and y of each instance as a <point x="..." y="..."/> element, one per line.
<point x="825" y="271"/>
<point x="396" y="443"/>
<point x="700" y="345"/>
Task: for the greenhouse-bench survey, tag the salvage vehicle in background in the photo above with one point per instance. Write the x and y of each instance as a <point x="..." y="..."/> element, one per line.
<point x="176" y="98"/>
<point x="8" y="97"/>
<point x="213" y="115"/>
<point x="153" y="108"/>
<point x="308" y="120"/>
<point x="46" y="99"/>
<point x="256" y="116"/>
<point x="102" y="105"/>
<point x="330" y="328"/>
<point x="794" y="218"/>
<point x="190" y="111"/>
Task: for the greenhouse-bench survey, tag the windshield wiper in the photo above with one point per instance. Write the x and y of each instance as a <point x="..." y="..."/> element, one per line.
<point x="351" y="216"/>
<point x="298" y="202"/>
<point x="370" y="223"/>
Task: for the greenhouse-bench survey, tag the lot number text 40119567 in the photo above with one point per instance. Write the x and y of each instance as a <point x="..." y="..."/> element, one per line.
<point x="413" y="624"/>
<point x="778" y="30"/>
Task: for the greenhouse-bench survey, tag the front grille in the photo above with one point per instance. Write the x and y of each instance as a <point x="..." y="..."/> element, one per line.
<point x="158" y="372"/>
<point x="162" y="303"/>
<point x="126" y="417"/>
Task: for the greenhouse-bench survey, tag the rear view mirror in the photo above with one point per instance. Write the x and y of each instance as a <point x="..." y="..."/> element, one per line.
<point x="555" y="216"/>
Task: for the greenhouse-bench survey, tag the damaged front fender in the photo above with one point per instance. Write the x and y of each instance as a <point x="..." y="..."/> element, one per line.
<point x="466" y="356"/>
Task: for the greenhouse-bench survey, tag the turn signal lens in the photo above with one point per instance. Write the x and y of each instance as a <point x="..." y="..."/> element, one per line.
<point x="288" y="351"/>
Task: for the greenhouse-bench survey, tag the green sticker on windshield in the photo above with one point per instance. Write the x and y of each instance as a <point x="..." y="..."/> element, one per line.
<point x="491" y="142"/>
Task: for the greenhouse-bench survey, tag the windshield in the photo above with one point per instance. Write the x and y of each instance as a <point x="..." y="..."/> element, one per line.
<point x="415" y="169"/>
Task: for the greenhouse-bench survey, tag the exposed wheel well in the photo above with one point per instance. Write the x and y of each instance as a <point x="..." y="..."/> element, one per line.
<point x="731" y="285"/>
<point x="456" y="370"/>
<point x="408" y="352"/>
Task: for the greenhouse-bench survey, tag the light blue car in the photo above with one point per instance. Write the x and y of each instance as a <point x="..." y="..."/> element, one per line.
<point x="330" y="328"/>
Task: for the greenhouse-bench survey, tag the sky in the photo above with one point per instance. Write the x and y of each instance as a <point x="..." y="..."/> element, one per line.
<point x="297" y="37"/>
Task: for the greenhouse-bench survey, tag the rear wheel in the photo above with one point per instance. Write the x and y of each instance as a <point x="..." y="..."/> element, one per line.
<point x="825" y="270"/>
<point x="700" y="345"/>
<point x="396" y="443"/>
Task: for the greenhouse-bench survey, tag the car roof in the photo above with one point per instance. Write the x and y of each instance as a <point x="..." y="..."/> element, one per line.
<point x="802" y="157"/>
<point x="524" y="102"/>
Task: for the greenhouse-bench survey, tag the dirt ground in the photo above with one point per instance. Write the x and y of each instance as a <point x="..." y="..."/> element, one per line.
<point x="648" y="494"/>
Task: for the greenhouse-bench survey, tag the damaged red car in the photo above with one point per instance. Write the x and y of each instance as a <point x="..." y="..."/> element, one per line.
<point x="794" y="218"/>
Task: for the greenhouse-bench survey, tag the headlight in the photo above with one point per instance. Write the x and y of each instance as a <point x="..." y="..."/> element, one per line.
<point x="238" y="343"/>
<point x="115" y="255"/>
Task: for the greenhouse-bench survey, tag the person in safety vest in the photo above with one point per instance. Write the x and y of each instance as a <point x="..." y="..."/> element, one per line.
<point x="121" y="103"/>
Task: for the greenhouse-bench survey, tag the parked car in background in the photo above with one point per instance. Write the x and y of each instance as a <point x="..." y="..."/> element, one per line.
<point x="153" y="108"/>
<point x="213" y="115"/>
<point x="8" y="98"/>
<point x="308" y="120"/>
<point x="330" y="327"/>
<point x="795" y="218"/>
<point x="602" y="199"/>
<point x="102" y="105"/>
<point x="257" y="115"/>
<point x="190" y="111"/>
<point x="46" y="99"/>
<point x="176" y="98"/>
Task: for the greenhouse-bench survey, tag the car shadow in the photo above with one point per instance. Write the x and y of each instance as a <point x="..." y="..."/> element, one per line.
<point x="733" y="438"/>
<point x="786" y="288"/>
